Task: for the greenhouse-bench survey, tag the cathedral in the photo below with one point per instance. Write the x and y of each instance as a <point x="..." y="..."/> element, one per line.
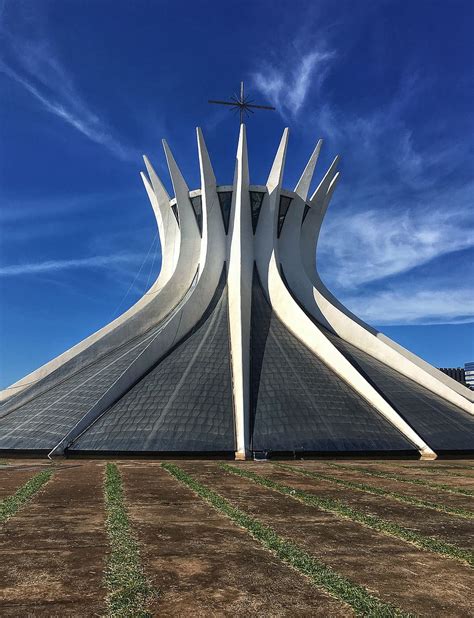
<point x="238" y="349"/>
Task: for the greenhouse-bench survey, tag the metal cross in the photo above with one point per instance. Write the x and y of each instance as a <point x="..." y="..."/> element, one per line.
<point x="243" y="105"/>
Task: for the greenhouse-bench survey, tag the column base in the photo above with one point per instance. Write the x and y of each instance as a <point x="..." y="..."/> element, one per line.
<point x="239" y="456"/>
<point x="428" y="456"/>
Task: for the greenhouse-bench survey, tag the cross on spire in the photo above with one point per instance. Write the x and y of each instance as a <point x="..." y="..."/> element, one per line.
<point x="242" y="104"/>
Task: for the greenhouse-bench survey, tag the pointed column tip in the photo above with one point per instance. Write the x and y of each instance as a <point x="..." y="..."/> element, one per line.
<point x="302" y="187"/>
<point x="177" y="178"/>
<point x="200" y="139"/>
<point x="207" y="173"/>
<point x="168" y="153"/>
<point x="276" y="173"/>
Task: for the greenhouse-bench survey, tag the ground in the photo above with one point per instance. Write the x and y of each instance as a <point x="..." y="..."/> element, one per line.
<point x="400" y="530"/>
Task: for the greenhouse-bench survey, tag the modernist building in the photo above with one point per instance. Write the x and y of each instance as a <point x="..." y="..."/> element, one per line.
<point x="457" y="373"/>
<point x="469" y="375"/>
<point x="238" y="347"/>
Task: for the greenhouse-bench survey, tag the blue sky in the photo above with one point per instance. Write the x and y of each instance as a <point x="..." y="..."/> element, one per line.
<point x="88" y="87"/>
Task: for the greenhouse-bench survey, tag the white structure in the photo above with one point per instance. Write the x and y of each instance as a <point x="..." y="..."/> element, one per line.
<point x="238" y="345"/>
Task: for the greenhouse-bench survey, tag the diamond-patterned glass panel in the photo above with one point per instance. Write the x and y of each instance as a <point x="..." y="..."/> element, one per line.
<point x="283" y="209"/>
<point x="43" y="421"/>
<point x="225" y="200"/>
<point x="442" y="425"/>
<point x="184" y="404"/>
<point x="174" y="208"/>
<point x="299" y="404"/>
<point x="256" y="200"/>
<point x="196" y="203"/>
<point x="306" y="210"/>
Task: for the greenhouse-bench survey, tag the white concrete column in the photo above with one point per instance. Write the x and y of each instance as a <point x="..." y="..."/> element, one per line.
<point x="147" y="310"/>
<point x="167" y="224"/>
<point x="303" y="184"/>
<point x="240" y="251"/>
<point x="296" y="320"/>
<point x="187" y="313"/>
<point x="332" y="313"/>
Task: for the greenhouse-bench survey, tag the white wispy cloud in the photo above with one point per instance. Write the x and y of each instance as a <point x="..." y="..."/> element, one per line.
<point x="16" y="210"/>
<point x="34" y="65"/>
<point x="288" y="84"/>
<point x="49" y="266"/>
<point x="399" y="208"/>
<point x="371" y="245"/>
<point x="379" y="261"/>
<point x="386" y="150"/>
<point x="409" y="306"/>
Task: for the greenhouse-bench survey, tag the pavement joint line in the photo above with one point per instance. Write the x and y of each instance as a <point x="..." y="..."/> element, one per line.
<point x="402" y="479"/>
<point x="377" y="491"/>
<point x="54" y="549"/>
<point x="372" y="522"/>
<point x="359" y="598"/>
<point x="129" y="591"/>
<point x="12" y="504"/>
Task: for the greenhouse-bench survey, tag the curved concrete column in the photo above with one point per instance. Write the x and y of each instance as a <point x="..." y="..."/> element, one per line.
<point x="292" y="267"/>
<point x="240" y="251"/>
<point x="296" y="320"/>
<point x="324" y="307"/>
<point x="194" y="303"/>
<point x="150" y="309"/>
<point x="84" y="382"/>
<point x="303" y="184"/>
<point x="138" y="318"/>
<point x="170" y="237"/>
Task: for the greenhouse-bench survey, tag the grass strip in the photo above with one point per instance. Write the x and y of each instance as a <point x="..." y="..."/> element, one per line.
<point x="377" y="491"/>
<point x="446" y="470"/>
<point x="370" y="521"/>
<point x="433" y="466"/>
<point x="9" y="506"/>
<point x="402" y="479"/>
<point x="437" y="466"/>
<point x="359" y="598"/>
<point x="128" y="588"/>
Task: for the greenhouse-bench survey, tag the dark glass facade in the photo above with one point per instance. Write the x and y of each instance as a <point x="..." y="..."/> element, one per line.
<point x="256" y="200"/>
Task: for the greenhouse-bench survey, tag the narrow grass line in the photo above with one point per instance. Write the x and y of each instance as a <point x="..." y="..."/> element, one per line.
<point x="437" y="466"/>
<point x="430" y="467"/>
<point x="370" y="521"/>
<point x="443" y="471"/>
<point x="9" y="506"/>
<point x="377" y="491"/>
<point x="402" y="479"/>
<point x="128" y="589"/>
<point x="359" y="598"/>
